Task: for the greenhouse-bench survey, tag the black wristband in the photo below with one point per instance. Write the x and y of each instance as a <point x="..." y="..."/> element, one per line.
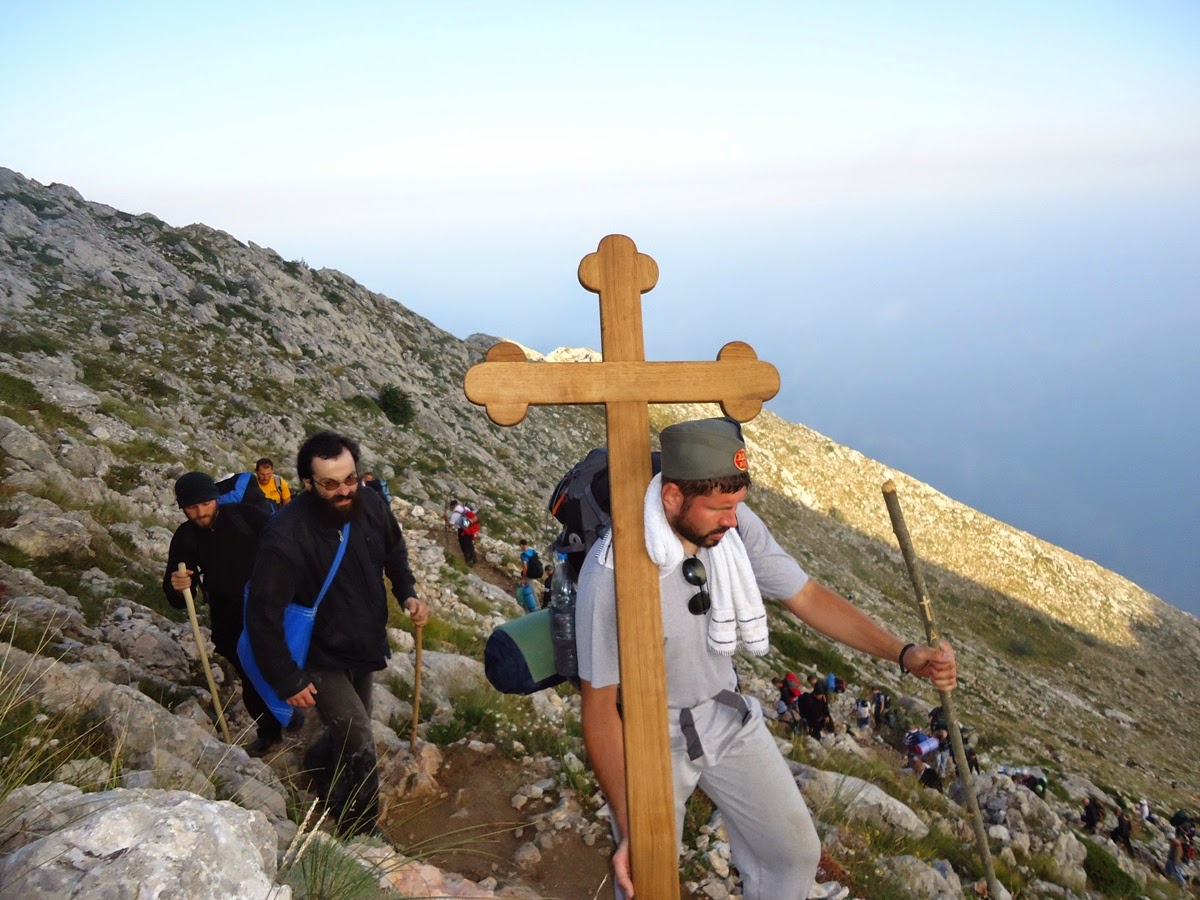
<point x="900" y="658"/>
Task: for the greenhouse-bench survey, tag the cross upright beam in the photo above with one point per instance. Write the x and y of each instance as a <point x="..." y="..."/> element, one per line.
<point x="506" y="384"/>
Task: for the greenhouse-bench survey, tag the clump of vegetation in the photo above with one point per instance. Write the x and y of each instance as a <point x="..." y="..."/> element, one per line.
<point x="797" y="649"/>
<point x="403" y="690"/>
<point x="440" y="634"/>
<point x="511" y="723"/>
<point x="32" y="342"/>
<point x="124" y="477"/>
<point x="1105" y="873"/>
<point x="1034" y="638"/>
<point x="17" y="391"/>
<point x="197" y="295"/>
<point x="397" y="405"/>
<point x="366" y="404"/>
<point x="34" y="745"/>
<point x="319" y="867"/>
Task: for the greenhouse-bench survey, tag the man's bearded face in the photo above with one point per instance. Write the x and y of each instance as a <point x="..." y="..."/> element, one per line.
<point x="341" y="500"/>
<point x="704" y="520"/>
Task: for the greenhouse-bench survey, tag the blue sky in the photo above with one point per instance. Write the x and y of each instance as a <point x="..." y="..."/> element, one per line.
<point x="965" y="235"/>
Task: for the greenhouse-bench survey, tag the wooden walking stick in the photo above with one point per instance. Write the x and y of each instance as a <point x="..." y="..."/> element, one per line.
<point x="417" y="689"/>
<point x="212" y="685"/>
<point x="507" y="384"/>
<point x="995" y="889"/>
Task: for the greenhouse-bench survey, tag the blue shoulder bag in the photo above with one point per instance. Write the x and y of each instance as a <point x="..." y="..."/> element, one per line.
<point x="297" y="631"/>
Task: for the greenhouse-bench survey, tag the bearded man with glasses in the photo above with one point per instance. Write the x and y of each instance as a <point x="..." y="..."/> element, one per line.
<point x="716" y="561"/>
<point x="349" y="640"/>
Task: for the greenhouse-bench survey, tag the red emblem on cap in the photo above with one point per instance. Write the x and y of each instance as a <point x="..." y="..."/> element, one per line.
<point x="740" y="461"/>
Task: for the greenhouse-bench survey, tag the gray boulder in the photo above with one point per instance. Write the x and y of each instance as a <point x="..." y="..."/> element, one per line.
<point x="926" y="881"/>
<point x="41" y="536"/>
<point x="860" y="799"/>
<point x="127" y="844"/>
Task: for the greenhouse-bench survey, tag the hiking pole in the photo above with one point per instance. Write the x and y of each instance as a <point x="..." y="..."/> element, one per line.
<point x="417" y="690"/>
<point x="212" y="685"/>
<point x="995" y="889"/>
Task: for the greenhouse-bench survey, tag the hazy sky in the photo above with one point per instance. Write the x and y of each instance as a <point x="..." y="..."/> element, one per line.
<point x="967" y="236"/>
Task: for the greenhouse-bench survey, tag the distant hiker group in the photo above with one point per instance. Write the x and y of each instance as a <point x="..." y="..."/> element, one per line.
<point x="464" y="519"/>
<point x="807" y="709"/>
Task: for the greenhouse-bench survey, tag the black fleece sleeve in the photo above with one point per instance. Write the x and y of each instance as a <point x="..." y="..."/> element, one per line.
<point x="395" y="563"/>
<point x="182" y="550"/>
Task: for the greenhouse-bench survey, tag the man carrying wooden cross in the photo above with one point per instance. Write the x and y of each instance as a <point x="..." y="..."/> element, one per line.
<point x="716" y="559"/>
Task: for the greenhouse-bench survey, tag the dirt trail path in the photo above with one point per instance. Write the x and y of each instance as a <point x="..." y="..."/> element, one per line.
<point x="473" y="829"/>
<point x="447" y="539"/>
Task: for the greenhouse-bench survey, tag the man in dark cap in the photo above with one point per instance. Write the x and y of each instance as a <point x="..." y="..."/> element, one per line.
<point x="217" y="544"/>
<point x="716" y="560"/>
<point x="349" y="639"/>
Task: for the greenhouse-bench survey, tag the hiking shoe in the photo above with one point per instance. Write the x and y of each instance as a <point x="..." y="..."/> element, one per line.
<point x="262" y="744"/>
<point x="296" y="722"/>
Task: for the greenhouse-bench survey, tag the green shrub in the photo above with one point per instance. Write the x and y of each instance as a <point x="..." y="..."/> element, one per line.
<point x="365" y="404"/>
<point x="197" y="295"/>
<point x="34" y="342"/>
<point x="326" y="871"/>
<point x="397" y="405"/>
<point x="402" y="690"/>
<point x="157" y="389"/>
<point x="799" y="650"/>
<point x="18" y="391"/>
<point x="1106" y="875"/>
<point x="1036" y="639"/>
<point x="482" y="607"/>
<point x="440" y="634"/>
<point x="124" y="478"/>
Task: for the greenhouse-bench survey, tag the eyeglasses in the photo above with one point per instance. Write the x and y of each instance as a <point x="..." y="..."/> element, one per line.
<point x="332" y="484"/>
<point x="694" y="574"/>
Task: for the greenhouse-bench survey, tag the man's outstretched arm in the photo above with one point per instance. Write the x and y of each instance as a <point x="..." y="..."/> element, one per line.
<point x="836" y="617"/>
<point x="604" y="737"/>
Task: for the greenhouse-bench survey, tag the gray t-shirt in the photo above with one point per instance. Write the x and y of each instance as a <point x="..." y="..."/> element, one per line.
<point x="694" y="673"/>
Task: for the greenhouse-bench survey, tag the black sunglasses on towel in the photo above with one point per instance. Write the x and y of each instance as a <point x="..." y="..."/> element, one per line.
<point x="694" y="574"/>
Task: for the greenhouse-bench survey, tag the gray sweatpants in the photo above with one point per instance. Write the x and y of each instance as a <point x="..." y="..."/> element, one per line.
<point x="771" y="835"/>
<point x="344" y="705"/>
<point x="342" y="760"/>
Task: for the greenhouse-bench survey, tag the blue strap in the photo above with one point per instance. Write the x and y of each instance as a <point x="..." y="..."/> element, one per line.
<point x="343" y="542"/>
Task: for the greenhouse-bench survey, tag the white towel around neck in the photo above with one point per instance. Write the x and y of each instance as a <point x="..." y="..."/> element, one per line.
<point x="737" y="611"/>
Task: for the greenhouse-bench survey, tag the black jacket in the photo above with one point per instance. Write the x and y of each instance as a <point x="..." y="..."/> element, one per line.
<point x="294" y="558"/>
<point x="223" y="558"/>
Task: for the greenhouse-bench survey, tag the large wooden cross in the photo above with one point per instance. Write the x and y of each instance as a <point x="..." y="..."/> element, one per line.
<point x="507" y="384"/>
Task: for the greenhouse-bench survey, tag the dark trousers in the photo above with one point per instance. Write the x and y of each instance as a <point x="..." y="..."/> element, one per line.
<point x="342" y="760"/>
<point x="466" y="543"/>
<point x="266" y="724"/>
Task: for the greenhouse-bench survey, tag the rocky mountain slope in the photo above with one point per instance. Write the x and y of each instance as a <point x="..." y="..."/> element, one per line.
<point x="134" y="350"/>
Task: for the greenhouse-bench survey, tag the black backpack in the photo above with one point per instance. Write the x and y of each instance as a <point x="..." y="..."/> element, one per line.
<point x="582" y="502"/>
<point x="534" y="567"/>
<point x="243" y="488"/>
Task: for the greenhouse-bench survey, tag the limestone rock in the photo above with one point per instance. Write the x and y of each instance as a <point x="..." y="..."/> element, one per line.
<point x="861" y="799"/>
<point x="925" y="881"/>
<point x="43" y="536"/>
<point x="128" y="844"/>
